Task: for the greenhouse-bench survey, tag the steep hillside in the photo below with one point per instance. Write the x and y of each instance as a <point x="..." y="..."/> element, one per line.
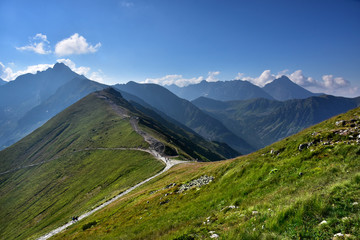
<point x="262" y="122"/>
<point x="83" y="156"/>
<point x="284" y="89"/>
<point x="304" y="187"/>
<point x="221" y="90"/>
<point x="184" y="112"/>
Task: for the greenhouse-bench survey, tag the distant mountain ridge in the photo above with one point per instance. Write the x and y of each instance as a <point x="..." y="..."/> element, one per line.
<point x="32" y="99"/>
<point x="186" y="113"/>
<point x="221" y="90"/>
<point x="280" y="89"/>
<point x="284" y="89"/>
<point x="88" y="153"/>
<point x="261" y="121"/>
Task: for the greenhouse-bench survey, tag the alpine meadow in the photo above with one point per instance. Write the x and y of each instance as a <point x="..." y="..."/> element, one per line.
<point x="179" y="120"/>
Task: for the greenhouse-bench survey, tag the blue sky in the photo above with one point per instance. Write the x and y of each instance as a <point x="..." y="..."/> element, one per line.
<point x="315" y="42"/>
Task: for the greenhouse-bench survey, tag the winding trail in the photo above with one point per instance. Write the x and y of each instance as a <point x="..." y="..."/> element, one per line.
<point x="169" y="163"/>
<point x="156" y="149"/>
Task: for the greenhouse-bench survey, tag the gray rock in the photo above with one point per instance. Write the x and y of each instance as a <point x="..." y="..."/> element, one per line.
<point x="201" y="181"/>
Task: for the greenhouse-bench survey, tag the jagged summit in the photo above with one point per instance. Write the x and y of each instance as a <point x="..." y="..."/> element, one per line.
<point x="60" y="67"/>
<point x="284" y="89"/>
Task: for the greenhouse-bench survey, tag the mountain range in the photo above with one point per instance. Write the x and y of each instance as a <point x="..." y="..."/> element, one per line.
<point x="185" y="113"/>
<point x="279" y="89"/>
<point x="245" y="125"/>
<point x="85" y="154"/>
<point x="145" y="162"/>
<point x="262" y="121"/>
<point x="32" y="99"/>
<point x="284" y="89"/>
<point x="303" y="186"/>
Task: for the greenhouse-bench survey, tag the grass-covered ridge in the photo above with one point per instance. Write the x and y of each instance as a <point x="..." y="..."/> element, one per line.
<point x="279" y="192"/>
<point x="82" y="157"/>
<point x="68" y="179"/>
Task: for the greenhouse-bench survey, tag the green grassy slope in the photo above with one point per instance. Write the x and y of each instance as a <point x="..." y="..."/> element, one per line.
<point x="187" y="143"/>
<point x="72" y="180"/>
<point x="284" y="191"/>
<point x="73" y="163"/>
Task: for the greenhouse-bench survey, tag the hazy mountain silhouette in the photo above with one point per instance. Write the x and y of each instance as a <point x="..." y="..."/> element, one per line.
<point x="284" y="89"/>
<point x="221" y="90"/>
<point x="32" y="99"/>
<point x="262" y="122"/>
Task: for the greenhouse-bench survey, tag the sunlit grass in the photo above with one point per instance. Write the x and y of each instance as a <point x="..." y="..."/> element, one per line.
<point x="279" y="193"/>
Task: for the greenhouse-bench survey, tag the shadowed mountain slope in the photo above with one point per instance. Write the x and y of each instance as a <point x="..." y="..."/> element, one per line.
<point x="262" y="122"/>
<point x="32" y="99"/>
<point x="221" y="90"/>
<point x="284" y="89"/>
<point x="186" y="113"/>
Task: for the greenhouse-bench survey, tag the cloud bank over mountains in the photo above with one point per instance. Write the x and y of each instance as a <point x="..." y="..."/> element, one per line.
<point x="77" y="45"/>
<point x="8" y="74"/>
<point x="180" y="81"/>
<point x="39" y="44"/>
<point x="328" y="84"/>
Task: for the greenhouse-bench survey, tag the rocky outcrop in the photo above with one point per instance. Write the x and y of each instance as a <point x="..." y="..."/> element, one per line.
<point x="199" y="182"/>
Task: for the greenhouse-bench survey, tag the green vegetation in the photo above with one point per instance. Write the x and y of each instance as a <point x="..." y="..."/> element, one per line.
<point x="183" y="113"/>
<point x="38" y="199"/>
<point x="79" y="159"/>
<point x="90" y="123"/>
<point x="69" y="178"/>
<point x="279" y="192"/>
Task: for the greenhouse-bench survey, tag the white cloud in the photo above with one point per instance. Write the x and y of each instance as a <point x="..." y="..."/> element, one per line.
<point x="7" y="74"/>
<point x="328" y="84"/>
<point x="38" y="44"/>
<point x="98" y="76"/>
<point x="239" y="76"/>
<point x="180" y="81"/>
<point x="265" y="78"/>
<point x="299" y="78"/>
<point x="41" y="37"/>
<point x="75" y="44"/>
<point x="212" y="76"/>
